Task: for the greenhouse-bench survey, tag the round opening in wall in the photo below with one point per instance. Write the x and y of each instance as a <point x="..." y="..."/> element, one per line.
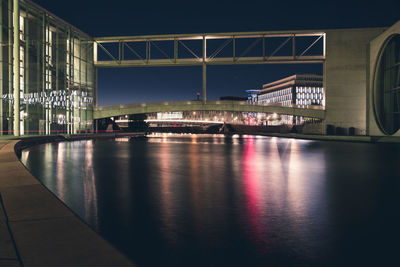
<point x="387" y="86"/>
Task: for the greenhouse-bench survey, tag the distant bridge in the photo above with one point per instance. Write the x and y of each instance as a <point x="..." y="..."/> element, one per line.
<point x="222" y="105"/>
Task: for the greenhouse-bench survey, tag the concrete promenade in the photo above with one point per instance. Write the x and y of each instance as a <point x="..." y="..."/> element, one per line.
<point x="37" y="229"/>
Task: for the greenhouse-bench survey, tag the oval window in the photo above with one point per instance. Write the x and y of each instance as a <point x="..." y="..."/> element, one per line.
<point x="387" y="86"/>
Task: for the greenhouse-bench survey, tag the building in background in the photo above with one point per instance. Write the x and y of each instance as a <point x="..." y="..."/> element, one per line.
<point x="302" y="90"/>
<point x="47" y="75"/>
<point x="299" y="89"/>
<point x="252" y="96"/>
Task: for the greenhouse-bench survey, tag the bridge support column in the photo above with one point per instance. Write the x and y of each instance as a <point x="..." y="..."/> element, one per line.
<point x="204" y="83"/>
<point x="204" y="70"/>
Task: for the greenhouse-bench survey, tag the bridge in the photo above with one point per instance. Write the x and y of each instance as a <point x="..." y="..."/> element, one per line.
<point x="235" y="48"/>
<point x="222" y="105"/>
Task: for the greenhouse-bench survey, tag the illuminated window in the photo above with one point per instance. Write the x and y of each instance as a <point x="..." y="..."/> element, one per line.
<point x="22" y="68"/>
<point x="21" y="28"/>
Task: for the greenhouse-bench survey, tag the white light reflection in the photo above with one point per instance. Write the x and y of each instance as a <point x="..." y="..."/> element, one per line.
<point x="195" y="185"/>
<point x="306" y="200"/>
<point x="167" y="197"/>
<point x="305" y="177"/>
<point x="122" y="139"/>
<point x="217" y="139"/>
<point x="235" y="139"/>
<point x="48" y="165"/>
<point x="277" y="149"/>
<point x="89" y="185"/>
<point x="194" y="138"/>
<point x="25" y="156"/>
<point x="123" y="182"/>
<point x="61" y="170"/>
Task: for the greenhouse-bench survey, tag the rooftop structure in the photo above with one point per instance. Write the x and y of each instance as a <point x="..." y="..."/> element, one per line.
<point x="297" y="79"/>
<point x="252" y="95"/>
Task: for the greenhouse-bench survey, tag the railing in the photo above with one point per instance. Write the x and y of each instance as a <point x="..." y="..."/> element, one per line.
<point x="199" y="102"/>
<point x="240" y="106"/>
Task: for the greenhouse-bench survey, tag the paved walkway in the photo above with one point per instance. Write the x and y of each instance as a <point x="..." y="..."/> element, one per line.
<point x="37" y="229"/>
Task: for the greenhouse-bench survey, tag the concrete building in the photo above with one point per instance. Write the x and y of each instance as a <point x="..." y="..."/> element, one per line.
<point x="346" y="69"/>
<point x="47" y="76"/>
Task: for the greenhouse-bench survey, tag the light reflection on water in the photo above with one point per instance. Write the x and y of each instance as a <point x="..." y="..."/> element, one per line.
<point x="196" y="200"/>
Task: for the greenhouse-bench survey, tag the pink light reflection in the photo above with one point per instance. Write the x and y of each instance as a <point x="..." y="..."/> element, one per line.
<point x="254" y="187"/>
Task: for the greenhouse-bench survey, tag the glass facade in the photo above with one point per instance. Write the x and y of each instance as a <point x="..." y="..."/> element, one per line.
<point x="387" y="87"/>
<point x="300" y="96"/>
<point x="300" y="90"/>
<point x="57" y="77"/>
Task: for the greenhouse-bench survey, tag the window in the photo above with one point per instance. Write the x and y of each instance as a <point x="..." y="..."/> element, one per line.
<point x="387" y="87"/>
<point x="21" y="28"/>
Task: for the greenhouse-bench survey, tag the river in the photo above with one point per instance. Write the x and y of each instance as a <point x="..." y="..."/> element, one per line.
<point x="211" y="200"/>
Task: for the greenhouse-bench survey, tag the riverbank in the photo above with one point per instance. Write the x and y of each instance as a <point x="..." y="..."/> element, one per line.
<point x="340" y="138"/>
<point x="36" y="228"/>
<point x="336" y="138"/>
<point x="33" y="140"/>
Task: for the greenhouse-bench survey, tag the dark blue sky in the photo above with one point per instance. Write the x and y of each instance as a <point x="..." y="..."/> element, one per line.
<point x="122" y="17"/>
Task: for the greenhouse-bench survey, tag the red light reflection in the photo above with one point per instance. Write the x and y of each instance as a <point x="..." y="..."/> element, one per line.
<point x="254" y="188"/>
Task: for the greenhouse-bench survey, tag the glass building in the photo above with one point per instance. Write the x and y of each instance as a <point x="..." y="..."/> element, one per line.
<point x="47" y="75"/>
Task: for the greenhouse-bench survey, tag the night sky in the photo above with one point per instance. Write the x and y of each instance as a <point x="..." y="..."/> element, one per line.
<point x="124" y="18"/>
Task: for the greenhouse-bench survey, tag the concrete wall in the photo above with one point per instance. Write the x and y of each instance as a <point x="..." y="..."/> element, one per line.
<point x="375" y="48"/>
<point x="345" y="76"/>
<point x="313" y="128"/>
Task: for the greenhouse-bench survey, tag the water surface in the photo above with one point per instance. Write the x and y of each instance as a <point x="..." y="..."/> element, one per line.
<point x="225" y="201"/>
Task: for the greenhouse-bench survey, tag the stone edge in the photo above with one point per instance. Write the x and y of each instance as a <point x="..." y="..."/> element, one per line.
<point x="103" y="252"/>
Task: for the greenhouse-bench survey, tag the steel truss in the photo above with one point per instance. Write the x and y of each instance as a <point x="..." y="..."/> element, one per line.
<point x="210" y="49"/>
<point x="124" y="51"/>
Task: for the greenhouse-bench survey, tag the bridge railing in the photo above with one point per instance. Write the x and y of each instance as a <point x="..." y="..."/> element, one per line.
<point x="173" y="103"/>
<point x="218" y="105"/>
<point x="209" y="102"/>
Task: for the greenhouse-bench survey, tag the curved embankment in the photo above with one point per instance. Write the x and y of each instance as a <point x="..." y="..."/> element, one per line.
<point x="36" y="228"/>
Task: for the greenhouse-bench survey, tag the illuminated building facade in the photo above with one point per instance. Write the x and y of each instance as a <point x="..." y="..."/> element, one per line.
<point x="300" y="89"/>
<point x="252" y="96"/>
<point x="47" y="75"/>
